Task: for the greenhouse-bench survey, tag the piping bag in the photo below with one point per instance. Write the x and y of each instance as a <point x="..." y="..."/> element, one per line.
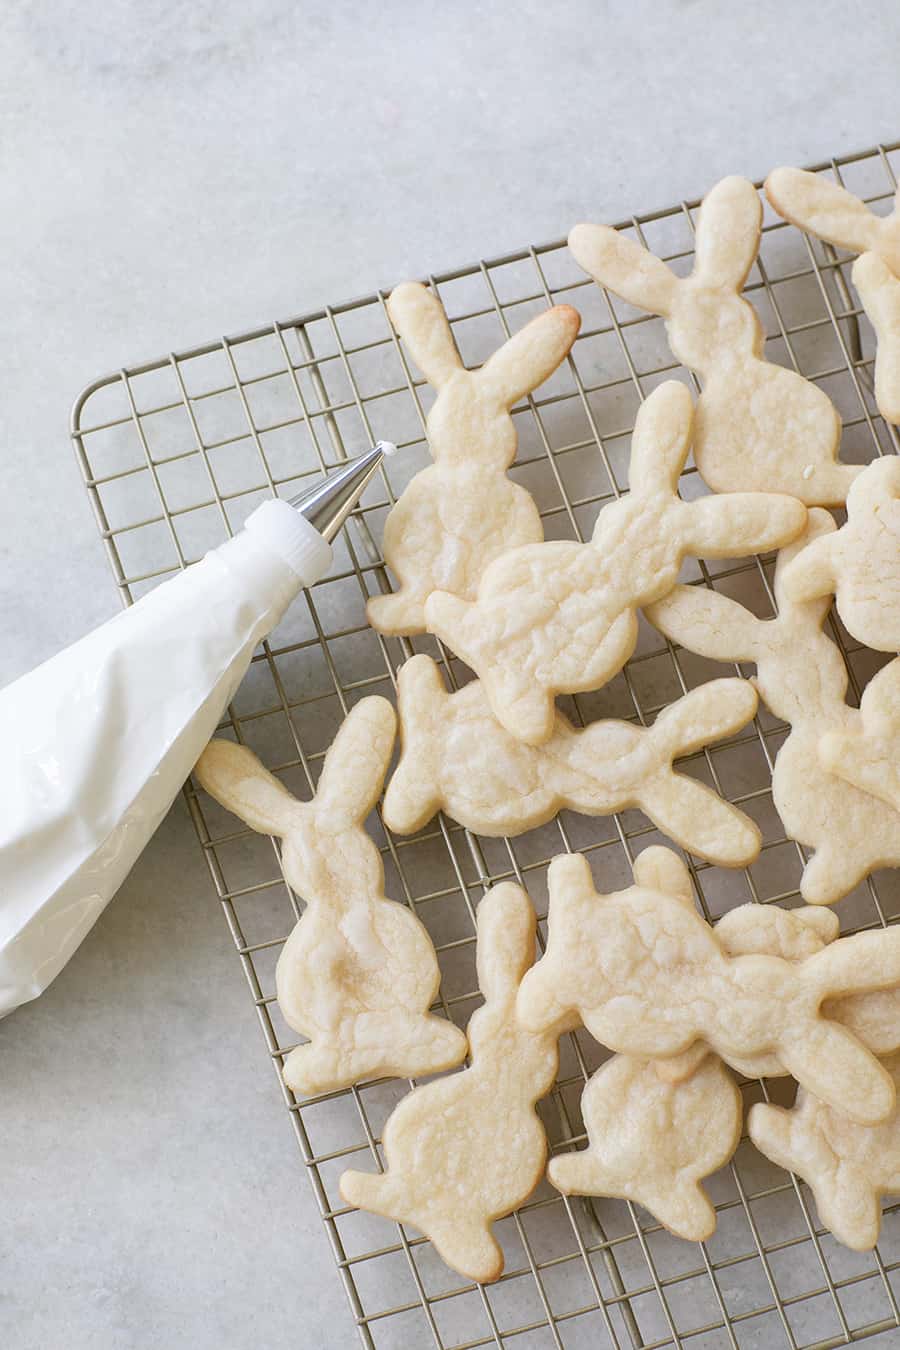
<point x="100" y="738"/>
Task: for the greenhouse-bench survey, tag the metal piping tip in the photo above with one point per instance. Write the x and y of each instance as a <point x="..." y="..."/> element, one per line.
<point x="327" y="505"/>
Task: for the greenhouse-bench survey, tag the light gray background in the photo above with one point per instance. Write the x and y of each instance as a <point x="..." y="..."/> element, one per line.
<point x="171" y="172"/>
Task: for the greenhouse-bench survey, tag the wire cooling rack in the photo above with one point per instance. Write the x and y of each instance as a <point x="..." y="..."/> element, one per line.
<point x="177" y="452"/>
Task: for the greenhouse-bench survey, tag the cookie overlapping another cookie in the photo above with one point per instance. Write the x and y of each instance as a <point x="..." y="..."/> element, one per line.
<point x="802" y="678"/>
<point x="560" y="617"/>
<point x="457" y="757"/>
<point x="647" y="976"/>
<point x="462" y="511"/>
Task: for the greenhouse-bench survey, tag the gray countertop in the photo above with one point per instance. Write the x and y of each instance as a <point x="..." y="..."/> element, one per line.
<point x="174" y="172"/>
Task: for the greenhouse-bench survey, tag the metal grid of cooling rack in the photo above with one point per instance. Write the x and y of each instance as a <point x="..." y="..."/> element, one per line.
<point x="176" y="452"/>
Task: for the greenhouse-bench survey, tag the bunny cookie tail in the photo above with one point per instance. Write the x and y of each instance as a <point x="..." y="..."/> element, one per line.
<point x="830" y="482"/>
<point x="400" y="614"/>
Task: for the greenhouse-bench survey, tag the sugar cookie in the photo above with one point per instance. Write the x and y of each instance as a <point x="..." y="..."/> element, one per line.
<point x="758" y="426"/>
<point x="879" y="291"/>
<point x="358" y="973"/>
<point x="458" y="758"/>
<point x="860" y="564"/>
<point x="653" y="1142"/>
<point x="647" y="976"/>
<point x="848" y="1166"/>
<point x="544" y="615"/>
<point x="872" y="1016"/>
<point x="801" y="677"/>
<point x="869" y="755"/>
<point x="825" y="209"/>
<point x="463" y="511"/>
<point x="467" y="1149"/>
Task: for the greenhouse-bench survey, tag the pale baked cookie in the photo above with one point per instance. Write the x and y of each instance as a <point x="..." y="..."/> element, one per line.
<point x="757" y="426"/>
<point x="467" y="1149"/>
<point x="801" y="677"/>
<point x="848" y="1166"/>
<point x="879" y="291"/>
<point x="654" y="1142"/>
<point x="869" y="755"/>
<point x="358" y="973"/>
<point x="860" y="564"/>
<point x="461" y="512"/>
<point x="542" y="622"/>
<point x="822" y="208"/>
<point x="458" y="758"/>
<point x="873" y="1017"/>
<point x="647" y="976"/>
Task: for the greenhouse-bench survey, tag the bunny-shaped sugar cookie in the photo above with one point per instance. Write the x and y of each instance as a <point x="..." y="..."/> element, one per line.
<point x="557" y="617"/>
<point x="647" y="976"/>
<point x="461" y="512"/>
<point x="830" y="212"/>
<point x="653" y="1141"/>
<point x="758" y="426"/>
<point x="801" y="677"/>
<point x="869" y="755"/>
<point x="459" y="759"/>
<point x="848" y="1166"/>
<point x="860" y="564"/>
<point x="766" y="930"/>
<point x="358" y="973"/>
<point x="467" y="1149"/>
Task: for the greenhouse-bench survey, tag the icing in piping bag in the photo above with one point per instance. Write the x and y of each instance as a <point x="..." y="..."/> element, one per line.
<point x="99" y="739"/>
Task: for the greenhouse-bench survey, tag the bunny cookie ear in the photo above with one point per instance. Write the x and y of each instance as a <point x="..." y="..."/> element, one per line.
<point x="530" y="356"/>
<point x="707" y="623"/>
<point x="661" y="438"/>
<point x="822" y="207"/>
<point x="659" y="869"/>
<point x="879" y="290"/>
<point x="242" y="784"/>
<point x="419" y="318"/>
<point x="355" y="764"/>
<point x="728" y="229"/>
<point x="505" y="944"/>
<point x="624" y="267"/>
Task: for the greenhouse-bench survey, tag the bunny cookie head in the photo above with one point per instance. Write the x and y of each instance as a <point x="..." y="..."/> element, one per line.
<point x="707" y="320"/>
<point x="325" y="850"/>
<point x="470" y="417"/>
<point x="860" y="564"/>
<point x="827" y="210"/>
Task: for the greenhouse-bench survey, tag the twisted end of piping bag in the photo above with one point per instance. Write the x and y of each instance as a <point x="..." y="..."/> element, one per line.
<point x="329" y="502"/>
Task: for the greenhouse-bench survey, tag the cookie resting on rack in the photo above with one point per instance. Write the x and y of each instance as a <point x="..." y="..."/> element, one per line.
<point x="654" y="1142"/>
<point x="847" y="1166"/>
<point x="801" y="677"/>
<point x="860" y="563"/>
<point x="647" y="976"/>
<point x="358" y="973"/>
<point x="467" y="1149"/>
<point x="758" y="426"/>
<point x="868" y="756"/>
<point x="830" y="212"/>
<point x="463" y="510"/>
<point x="544" y="616"/>
<point x="456" y="757"/>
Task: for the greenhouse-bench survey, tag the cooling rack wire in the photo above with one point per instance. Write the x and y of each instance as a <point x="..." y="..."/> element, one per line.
<point x="175" y="454"/>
